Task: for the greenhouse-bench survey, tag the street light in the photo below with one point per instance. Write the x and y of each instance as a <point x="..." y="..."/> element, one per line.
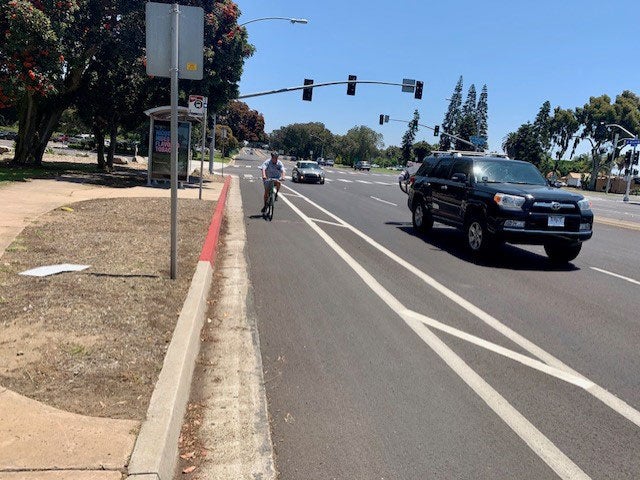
<point x="322" y="142"/>
<point x="292" y="20"/>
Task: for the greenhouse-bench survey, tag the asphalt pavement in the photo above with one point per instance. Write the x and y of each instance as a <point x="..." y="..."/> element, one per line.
<point x="391" y="355"/>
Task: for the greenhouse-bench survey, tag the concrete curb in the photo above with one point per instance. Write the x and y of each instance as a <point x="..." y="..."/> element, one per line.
<point x="155" y="453"/>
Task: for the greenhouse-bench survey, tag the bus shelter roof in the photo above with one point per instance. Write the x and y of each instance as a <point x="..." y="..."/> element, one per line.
<point x="164" y="113"/>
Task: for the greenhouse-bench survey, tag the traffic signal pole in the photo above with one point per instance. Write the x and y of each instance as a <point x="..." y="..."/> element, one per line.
<point x="630" y="172"/>
<point x="441" y="133"/>
<point x="323" y="84"/>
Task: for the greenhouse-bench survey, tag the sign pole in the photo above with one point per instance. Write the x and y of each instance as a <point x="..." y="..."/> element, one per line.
<point x="212" y="147"/>
<point x="630" y="173"/>
<point x="204" y="142"/>
<point x="175" y="20"/>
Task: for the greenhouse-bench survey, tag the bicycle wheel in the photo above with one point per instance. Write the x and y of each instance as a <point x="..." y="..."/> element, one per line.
<point x="270" y="205"/>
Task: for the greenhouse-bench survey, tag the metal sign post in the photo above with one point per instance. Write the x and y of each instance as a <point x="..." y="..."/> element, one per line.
<point x="198" y="106"/>
<point x="175" y="53"/>
<point x="634" y="142"/>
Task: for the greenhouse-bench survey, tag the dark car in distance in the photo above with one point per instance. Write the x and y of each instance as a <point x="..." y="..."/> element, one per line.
<point x="307" y="172"/>
<point x="494" y="200"/>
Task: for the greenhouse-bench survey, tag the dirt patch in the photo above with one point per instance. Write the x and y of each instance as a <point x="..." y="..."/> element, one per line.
<point x="93" y="342"/>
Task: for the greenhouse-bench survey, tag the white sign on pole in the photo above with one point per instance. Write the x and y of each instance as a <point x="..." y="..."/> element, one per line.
<point x="197" y="104"/>
<point x="190" y="41"/>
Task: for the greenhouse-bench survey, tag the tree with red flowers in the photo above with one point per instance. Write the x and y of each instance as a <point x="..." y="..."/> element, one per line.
<point x="57" y="53"/>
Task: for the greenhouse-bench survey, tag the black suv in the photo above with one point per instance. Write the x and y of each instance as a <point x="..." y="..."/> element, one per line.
<point x="497" y="200"/>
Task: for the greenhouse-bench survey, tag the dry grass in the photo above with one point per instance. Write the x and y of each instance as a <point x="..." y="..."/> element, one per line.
<point x="93" y="342"/>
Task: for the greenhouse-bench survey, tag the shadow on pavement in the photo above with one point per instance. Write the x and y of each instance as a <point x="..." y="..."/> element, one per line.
<point x="503" y="256"/>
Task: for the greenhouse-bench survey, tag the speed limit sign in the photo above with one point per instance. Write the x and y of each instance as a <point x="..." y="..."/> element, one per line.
<point x="197" y="104"/>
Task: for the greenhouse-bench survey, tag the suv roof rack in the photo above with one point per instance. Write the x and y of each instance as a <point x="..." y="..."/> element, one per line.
<point x="460" y="153"/>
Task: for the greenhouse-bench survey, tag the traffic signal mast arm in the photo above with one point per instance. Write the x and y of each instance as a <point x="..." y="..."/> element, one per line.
<point x="324" y="84"/>
<point x="441" y="133"/>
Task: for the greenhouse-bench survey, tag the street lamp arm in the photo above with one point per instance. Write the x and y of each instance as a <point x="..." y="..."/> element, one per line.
<point x="621" y="128"/>
<point x="292" y="20"/>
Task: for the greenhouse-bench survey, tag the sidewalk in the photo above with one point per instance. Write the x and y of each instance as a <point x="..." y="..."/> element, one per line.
<point x="36" y="440"/>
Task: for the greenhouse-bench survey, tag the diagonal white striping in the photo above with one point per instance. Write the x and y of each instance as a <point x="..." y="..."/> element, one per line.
<point x="518" y="357"/>
<point x="536" y="440"/>
<point x="606" y="397"/>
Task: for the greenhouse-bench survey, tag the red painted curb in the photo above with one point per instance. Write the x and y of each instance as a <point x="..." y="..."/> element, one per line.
<point x="208" y="253"/>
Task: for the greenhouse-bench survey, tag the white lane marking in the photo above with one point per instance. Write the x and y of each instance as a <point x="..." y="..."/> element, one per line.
<point x="384" y="183"/>
<point x="534" y="438"/>
<point x="505" y="352"/>
<point x="328" y="179"/>
<point x="327" y="222"/>
<point x="364" y="181"/>
<point x="383" y="201"/>
<point x="631" y="280"/>
<point x="248" y="166"/>
<point x="247" y="175"/>
<point x="345" y="180"/>
<point x="609" y="399"/>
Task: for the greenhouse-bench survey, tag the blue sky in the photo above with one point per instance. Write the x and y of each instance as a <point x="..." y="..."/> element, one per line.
<point x="525" y="52"/>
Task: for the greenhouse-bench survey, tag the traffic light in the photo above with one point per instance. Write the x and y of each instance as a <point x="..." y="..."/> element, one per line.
<point x="636" y="158"/>
<point x="418" y="93"/>
<point x="307" y="93"/>
<point x="381" y="119"/>
<point x="436" y="130"/>
<point x="386" y="119"/>
<point x="627" y="159"/>
<point x="351" y="87"/>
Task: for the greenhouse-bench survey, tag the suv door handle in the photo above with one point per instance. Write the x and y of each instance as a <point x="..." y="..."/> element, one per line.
<point x="443" y="187"/>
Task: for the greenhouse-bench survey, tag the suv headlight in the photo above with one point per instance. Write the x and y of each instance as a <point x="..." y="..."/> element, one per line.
<point x="509" y="202"/>
<point x="584" y="205"/>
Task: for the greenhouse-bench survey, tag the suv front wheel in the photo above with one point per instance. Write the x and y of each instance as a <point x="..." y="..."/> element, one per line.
<point x="422" y="220"/>
<point x="562" y="252"/>
<point x="478" y="238"/>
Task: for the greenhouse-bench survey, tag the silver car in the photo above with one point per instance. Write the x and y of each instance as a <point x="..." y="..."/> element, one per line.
<point x="305" y="171"/>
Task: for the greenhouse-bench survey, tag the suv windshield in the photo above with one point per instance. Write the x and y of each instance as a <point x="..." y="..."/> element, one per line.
<point x="497" y="171"/>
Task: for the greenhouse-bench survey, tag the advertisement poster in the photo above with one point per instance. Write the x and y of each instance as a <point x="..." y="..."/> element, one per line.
<point x="161" y="154"/>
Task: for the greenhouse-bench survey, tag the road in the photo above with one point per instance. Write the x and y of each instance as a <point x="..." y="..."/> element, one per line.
<point x="389" y="355"/>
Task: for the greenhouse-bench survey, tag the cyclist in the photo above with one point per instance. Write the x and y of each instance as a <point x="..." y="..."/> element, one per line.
<point x="271" y="169"/>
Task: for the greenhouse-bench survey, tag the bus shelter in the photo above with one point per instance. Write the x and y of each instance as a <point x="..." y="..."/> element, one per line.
<point x="159" y="164"/>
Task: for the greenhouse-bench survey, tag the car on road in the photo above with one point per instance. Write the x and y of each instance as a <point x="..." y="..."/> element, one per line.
<point x="306" y="171"/>
<point x="362" y="165"/>
<point x="329" y="162"/>
<point x="494" y="200"/>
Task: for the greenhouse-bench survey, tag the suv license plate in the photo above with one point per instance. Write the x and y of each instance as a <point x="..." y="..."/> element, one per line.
<point x="556" y="221"/>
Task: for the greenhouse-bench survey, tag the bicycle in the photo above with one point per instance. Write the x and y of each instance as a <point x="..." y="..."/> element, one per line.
<point x="271" y="199"/>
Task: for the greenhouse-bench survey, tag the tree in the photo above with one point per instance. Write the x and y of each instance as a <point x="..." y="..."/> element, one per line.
<point x="468" y="125"/>
<point x="563" y="126"/>
<point x="453" y="116"/>
<point x="524" y="145"/>
<point x="300" y="139"/>
<point x="542" y="125"/>
<point x="482" y="115"/>
<point x="227" y="142"/>
<point x="363" y="143"/>
<point x="422" y="149"/>
<point x="55" y="49"/>
<point x="245" y="123"/>
<point x="409" y="137"/>
<point x="592" y="116"/>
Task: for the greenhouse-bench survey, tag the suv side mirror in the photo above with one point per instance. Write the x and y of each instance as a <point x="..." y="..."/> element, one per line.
<point x="459" y="177"/>
<point x="554" y="183"/>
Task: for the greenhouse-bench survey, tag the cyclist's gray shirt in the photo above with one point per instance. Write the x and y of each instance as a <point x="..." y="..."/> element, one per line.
<point x="273" y="170"/>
